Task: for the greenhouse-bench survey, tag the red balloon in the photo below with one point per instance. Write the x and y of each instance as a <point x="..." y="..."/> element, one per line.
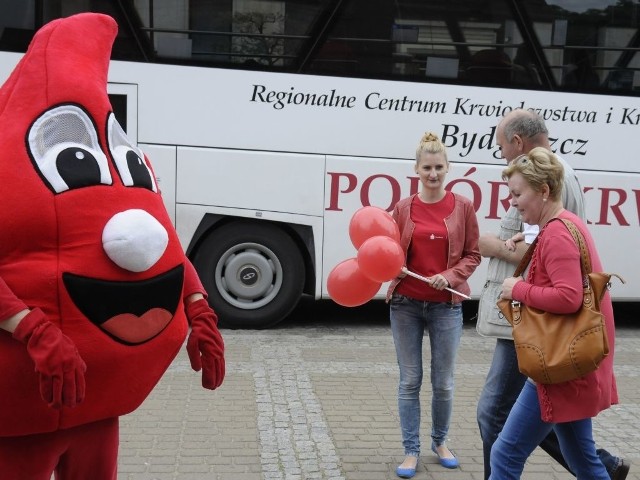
<point x="380" y="258"/>
<point x="369" y="222"/>
<point x="347" y="285"/>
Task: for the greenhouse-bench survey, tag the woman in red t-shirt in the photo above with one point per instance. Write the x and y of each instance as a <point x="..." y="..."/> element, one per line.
<point x="439" y="235"/>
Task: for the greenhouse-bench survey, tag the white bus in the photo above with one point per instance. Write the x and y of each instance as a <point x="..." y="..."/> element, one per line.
<point x="269" y="123"/>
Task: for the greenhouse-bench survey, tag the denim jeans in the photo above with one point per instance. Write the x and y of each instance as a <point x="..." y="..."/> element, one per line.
<point x="524" y="430"/>
<point x="443" y="322"/>
<point x="501" y="389"/>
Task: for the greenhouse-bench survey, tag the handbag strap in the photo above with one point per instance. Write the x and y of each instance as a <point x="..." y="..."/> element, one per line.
<point x="585" y="263"/>
<point x="582" y="245"/>
<point x="526" y="258"/>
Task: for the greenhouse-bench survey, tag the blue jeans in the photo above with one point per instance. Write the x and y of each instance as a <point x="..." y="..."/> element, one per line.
<point x="501" y="389"/>
<point x="524" y="430"/>
<point x="443" y="322"/>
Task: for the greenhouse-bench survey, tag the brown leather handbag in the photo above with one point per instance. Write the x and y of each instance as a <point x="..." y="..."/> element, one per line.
<point x="555" y="348"/>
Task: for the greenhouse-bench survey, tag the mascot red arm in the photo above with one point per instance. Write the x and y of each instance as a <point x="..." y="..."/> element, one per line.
<point x="96" y="294"/>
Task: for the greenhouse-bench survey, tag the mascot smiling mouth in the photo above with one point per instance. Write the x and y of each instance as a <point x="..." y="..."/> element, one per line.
<point x="130" y="312"/>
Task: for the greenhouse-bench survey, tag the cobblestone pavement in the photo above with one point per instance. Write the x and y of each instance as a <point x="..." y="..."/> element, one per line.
<point x="315" y="398"/>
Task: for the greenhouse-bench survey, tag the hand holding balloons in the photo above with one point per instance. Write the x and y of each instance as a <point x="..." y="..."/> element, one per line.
<point x="380" y="258"/>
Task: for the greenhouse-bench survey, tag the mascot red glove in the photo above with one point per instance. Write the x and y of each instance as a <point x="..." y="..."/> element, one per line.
<point x="89" y="254"/>
<point x="57" y="361"/>
<point x="205" y="345"/>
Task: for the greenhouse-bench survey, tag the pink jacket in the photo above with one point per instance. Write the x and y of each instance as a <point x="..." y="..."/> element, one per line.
<point x="554" y="284"/>
<point x="464" y="255"/>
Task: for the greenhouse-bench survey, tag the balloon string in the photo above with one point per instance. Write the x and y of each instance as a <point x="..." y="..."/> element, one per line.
<point x="429" y="281"/>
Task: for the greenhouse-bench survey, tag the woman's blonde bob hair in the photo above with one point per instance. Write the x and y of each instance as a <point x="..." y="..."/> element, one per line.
<point x="539" y="167"/>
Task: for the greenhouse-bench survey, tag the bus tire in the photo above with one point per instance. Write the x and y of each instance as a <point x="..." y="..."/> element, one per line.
<point x="253" y="272"/>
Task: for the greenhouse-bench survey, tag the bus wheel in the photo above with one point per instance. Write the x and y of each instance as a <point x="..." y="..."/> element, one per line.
<point x="254" y="274"/>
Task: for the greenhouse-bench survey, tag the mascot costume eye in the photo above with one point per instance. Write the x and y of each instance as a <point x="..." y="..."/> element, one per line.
<point x="96" y="294"/>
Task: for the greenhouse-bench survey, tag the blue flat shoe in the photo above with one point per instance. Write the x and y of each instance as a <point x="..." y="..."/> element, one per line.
<point x="405" y="472"/>
<point x="446" y="462"/>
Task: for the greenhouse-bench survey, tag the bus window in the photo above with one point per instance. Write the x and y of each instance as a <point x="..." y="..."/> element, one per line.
<point x="17" y="25"/>
<point x="589" y="48"/>
<point x="119" y="104"/>
<point x="556" y="44"/>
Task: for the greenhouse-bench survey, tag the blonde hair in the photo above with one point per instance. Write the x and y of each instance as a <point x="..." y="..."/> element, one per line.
<point x="539" y="167"/>
<point x="430" y="143"/>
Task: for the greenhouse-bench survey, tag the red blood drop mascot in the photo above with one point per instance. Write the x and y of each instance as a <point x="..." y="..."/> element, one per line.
<point x="96" y="294"/>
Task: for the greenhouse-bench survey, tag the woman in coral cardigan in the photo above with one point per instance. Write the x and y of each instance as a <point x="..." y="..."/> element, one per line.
<point x="554" y="283"/>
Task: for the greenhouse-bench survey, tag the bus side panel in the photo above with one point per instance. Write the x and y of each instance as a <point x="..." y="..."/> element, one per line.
<point x="163" y="160"/>
<point x="613" y="215"/>
<point x="276" y="182"/>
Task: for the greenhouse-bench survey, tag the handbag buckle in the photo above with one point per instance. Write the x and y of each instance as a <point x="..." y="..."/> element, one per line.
<point x="515" y="306"/>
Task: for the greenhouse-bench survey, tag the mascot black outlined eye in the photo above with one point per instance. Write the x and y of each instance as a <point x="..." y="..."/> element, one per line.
<point x="64" y="147"/>
<point x="129" y="159"/>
